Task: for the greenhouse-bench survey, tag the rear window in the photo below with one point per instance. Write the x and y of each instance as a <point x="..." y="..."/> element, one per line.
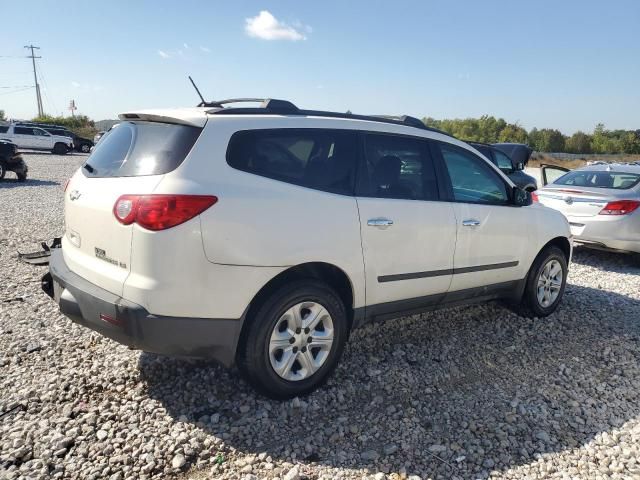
<point x="141" y="148"/>
<point x="314" y="158"/>
<point x="599" y="179"/>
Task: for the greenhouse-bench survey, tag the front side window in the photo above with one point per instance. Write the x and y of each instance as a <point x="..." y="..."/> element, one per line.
<point x="503" y="162"/>
<point x="314" y="158"/>
<point x="399" y="167"/>
<point x="472" y="180"/>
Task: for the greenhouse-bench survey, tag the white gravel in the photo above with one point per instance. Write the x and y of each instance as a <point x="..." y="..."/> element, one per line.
<point x="473" y="392"/>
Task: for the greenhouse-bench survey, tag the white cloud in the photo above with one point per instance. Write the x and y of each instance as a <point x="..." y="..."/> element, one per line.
<point x="75" y="84"/>
<point x="186" y="46"/>
<point x="163" y="54"/>
<point x="205" y="49"/>
<point x="267" y="27"/>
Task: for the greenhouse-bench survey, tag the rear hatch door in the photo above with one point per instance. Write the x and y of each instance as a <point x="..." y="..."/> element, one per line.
<point x="132" y="159"/>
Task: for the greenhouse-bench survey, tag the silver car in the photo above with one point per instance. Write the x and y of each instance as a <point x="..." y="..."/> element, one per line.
<point x="601" y="202"/>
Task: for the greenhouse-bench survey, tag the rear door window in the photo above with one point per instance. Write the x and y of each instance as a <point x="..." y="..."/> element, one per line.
<point x="141" y="148"/>
<point x="23" y="131"/>
<point x="398" y="167"/>
<point x="314" y="158"/>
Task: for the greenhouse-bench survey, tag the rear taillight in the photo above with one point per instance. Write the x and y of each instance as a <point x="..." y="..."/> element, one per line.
<point x="159" y="212"/>
<point x="534" y="197"/>
<point x="620" y="207"/>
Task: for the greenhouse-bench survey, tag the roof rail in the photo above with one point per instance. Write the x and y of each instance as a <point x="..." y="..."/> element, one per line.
<point x="270" y="106"/>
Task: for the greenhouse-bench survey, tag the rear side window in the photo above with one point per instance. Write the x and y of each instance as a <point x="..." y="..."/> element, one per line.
<point x="314" y="158"/>
<point x="399" y="167"/>
<point x="4" y="129"/>
<point x="472" y="180"/>
<point x="23" y="130"/>
<point x="141" y="148"/>
<point x="616" y="180"/>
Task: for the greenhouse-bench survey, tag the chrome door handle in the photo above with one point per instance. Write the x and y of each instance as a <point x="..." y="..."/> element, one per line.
<point x="470" y="223"/>
<point x="379" y="222"/>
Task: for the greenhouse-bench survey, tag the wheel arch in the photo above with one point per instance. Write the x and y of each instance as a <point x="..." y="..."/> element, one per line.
<point x="562" y="243"/>
<point x="328" y="273"/>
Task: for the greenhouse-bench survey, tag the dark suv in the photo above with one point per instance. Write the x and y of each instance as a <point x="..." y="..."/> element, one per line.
<point x="511" y="158"/>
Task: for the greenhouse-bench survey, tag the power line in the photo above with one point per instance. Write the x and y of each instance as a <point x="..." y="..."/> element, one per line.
<point x="19" y="86"/>
<point x="35" y="78"/>
<point x="17" y="91"/>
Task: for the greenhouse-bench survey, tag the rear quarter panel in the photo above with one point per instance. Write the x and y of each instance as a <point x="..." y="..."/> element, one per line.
<point x="262" y="222"/>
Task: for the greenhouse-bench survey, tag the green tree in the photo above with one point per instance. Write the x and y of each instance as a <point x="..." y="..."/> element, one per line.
<point x="549" y="140"/>
<point x="513" y="133"/>
<point x="579" y="142"/>
<point x="2" y="117"/>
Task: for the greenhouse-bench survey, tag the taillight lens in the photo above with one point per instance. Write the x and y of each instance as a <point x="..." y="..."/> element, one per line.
<point x="534" y="197"/>
<point x="620" y="207"/>
<point x="159" y="212"/>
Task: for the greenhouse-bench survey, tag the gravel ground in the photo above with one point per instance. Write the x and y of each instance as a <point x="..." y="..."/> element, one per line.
<point x="472" y="392"/>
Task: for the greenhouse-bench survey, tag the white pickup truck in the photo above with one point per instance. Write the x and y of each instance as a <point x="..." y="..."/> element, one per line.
<point x="35" y="138"/>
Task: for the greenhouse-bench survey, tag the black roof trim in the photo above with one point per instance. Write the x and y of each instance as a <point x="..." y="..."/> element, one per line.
<point x="284" y="107"/>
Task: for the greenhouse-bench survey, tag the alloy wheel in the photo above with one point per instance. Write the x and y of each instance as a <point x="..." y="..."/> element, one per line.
<point x="549" y="283"/>
<point x="301" y="341"/>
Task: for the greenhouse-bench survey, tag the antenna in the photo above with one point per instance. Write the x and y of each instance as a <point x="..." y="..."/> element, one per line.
<point x="198" y="92"/>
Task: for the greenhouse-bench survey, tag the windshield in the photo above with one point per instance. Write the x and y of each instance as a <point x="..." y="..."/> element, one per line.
<point x="141" y="148"/>
<point x="599" y="179"/>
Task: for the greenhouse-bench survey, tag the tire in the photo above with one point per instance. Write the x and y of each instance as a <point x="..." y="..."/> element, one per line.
<point x="257" y="357"/>
<point x="532" y="304"/>
<point x="3" y="170"/>
<point x="60" y="149"/>
<point x="22" y="177"/>
<point x="85" y="148"/>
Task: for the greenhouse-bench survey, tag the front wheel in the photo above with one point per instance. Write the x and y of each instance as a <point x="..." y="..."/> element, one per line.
<point x="294" y="340"/>
<point x="546" y="282"/>
<point x="85" y="148"/>
<point x="3" y="171"/>
<point x="22" y="177"/>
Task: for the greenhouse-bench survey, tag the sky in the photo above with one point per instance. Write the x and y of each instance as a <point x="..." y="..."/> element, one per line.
<point x="548" y="64"/>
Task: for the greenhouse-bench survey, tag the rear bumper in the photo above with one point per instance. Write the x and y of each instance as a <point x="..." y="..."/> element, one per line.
<point x="608" y="232"/>
<point x="130" y="324"/>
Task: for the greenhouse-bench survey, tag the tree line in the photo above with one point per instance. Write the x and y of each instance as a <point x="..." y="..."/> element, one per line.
<point x="488" y="129"/>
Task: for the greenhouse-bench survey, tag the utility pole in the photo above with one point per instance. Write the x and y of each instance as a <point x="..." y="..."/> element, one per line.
<point x="35" y="78"/>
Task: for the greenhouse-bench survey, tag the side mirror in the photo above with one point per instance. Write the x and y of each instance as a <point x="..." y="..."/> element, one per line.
<point x="520" y="197"/>
<point x="519" y="166"/>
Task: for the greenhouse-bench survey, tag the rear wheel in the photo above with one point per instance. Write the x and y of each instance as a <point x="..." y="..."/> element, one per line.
<point x="85" y="148"/>
<point x="294" y="340"/>
<point x="60" y="149"/>
<point x="545" y="283"/>
<point x="3" y="171"/>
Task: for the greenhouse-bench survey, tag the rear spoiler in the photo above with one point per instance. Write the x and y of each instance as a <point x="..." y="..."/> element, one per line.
<point x="189" y="120"/>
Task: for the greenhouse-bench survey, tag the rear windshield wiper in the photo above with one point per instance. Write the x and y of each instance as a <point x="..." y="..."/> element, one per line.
<point x="88" y="168"/>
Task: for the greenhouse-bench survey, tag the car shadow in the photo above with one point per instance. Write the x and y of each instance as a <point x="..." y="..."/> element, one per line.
<point x="617" y="262"/>
<point x="460" y="392"/>
<point x="29" y="182"/>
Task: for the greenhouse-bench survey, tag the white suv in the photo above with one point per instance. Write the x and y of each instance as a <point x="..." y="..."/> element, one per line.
<point x="35" y="138"/>
<point x="262" y="236"/>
